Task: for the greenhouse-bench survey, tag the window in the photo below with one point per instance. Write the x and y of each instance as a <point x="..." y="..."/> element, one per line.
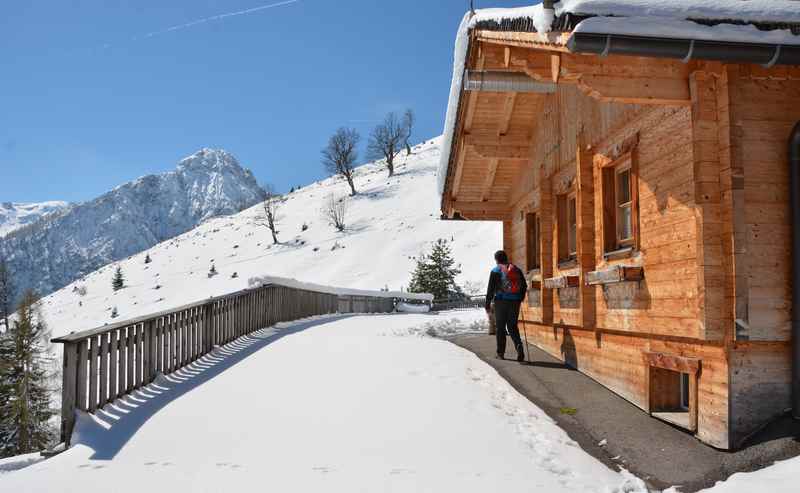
<point x="624" y="212"/>
<point x="567" y="210"/>
<point x="534" y="241"/>
<point x="684" y="391"/>
<point x="619" y="205"/>
<point x="572" y="225"/>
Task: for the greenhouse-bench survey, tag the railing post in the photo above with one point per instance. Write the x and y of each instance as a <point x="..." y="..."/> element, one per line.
<point x="69" y="387"/>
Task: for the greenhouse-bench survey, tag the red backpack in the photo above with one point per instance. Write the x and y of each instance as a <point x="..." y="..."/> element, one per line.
<point x="512" y="280"/>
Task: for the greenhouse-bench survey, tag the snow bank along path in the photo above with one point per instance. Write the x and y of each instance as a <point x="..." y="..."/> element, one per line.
<point x="342" y="403"/>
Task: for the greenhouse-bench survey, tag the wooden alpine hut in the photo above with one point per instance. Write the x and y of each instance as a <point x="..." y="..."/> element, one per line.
<point x="643" y="157"/>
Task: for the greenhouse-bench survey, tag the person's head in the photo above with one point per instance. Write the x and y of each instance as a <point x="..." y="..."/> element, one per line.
<point x="500" y="257"/>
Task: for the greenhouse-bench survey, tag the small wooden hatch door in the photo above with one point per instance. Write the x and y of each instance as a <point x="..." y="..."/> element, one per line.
<point x="672" y="388"/>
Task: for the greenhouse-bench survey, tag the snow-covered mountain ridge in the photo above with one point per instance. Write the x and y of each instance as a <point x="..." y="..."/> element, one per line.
<point x="63" y="246"/>
<point x="15" y="215"/>
<point x="389" y="222"/>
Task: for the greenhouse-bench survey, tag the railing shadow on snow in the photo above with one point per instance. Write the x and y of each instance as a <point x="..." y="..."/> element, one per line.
<point x="108" y="430"/>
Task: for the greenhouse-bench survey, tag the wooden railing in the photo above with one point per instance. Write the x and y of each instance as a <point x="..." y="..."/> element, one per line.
<point x="105" y="363"/>
<point x="459" y="304"/>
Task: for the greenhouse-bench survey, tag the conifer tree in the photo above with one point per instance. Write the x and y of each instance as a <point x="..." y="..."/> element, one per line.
<point x="25" y="409"/>
<point x="436" y="272"/>
<point x="118" y="282"/>
<point x="5" y="292"/>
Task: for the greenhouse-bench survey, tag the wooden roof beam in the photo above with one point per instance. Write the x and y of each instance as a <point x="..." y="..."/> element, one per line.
<point x="459" y="170"/>
<point x="503" y="152"/>
<point x="486" y="139"/>
<point x="508" y="110"/>
<point x="489" y="183"/>
<point x="493" y="211"/>
<point x="637" y="90"/>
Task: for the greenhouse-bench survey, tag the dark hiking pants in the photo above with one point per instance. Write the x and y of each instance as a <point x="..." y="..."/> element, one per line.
<point x="507" y="314"/>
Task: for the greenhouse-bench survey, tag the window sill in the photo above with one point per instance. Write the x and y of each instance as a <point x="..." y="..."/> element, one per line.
<point x="568" y="264"/>
<point x="626" y="252"/>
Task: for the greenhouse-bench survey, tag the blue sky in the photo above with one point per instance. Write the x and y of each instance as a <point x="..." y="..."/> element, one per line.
<point x="88" y="100"/>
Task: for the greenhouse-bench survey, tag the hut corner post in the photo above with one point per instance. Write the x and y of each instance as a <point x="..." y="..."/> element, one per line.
<point x="794" y="187"/>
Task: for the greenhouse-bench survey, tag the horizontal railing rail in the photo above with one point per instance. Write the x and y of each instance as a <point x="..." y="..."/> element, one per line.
<point x="458" y="304"/>
<point x="105" y="363"/>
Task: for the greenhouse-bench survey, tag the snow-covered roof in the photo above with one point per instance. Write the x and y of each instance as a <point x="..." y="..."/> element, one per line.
<point x="743" y="21"/>
<point x="777" y="11"/>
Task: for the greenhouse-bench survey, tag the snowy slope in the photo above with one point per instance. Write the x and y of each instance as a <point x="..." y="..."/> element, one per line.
<point x="14" y="215"/>
<point x="63" y="246"/>
<point x="338" y="404"/>
<point x="389" y="222"/>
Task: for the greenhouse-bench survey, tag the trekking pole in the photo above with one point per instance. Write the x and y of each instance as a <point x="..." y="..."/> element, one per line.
<point x="525" y="335"/>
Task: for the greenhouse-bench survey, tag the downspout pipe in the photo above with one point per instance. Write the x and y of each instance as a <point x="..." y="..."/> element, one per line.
<point x="794" y="200"/>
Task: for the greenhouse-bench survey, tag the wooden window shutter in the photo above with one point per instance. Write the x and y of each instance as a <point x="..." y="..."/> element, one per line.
<point x="561" y="221"/>
<point x="609" y="210"/>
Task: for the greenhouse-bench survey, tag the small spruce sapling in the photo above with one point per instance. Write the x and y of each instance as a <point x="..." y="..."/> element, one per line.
<point x="118" y="281"/>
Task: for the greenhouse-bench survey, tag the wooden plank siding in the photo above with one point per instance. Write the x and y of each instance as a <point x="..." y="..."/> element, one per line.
<point x="711" y="229"/>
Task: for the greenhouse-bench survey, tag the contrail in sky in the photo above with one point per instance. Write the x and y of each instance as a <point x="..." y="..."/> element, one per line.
<point x="218" y="17"/>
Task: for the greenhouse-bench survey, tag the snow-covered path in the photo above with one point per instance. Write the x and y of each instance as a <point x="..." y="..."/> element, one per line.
<point x="359" y="403"/>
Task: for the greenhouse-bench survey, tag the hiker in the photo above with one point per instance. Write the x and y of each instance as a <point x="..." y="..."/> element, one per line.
<point x="507" y="288"/>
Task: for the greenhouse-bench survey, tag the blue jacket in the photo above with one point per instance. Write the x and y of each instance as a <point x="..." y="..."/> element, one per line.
<point x="495" y="292"/>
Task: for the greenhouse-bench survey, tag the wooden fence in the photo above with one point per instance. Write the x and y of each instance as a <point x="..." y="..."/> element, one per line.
<point x="105" y="363"/>
<point x="460" y="304"/>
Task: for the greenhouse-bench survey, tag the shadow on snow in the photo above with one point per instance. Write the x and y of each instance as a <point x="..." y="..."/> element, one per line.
<point x="114" y="425"/>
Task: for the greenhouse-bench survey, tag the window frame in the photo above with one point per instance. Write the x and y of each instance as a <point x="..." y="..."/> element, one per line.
<point x="619" y="170"/>
<point x="533" y="239"/>
<point x="572" y="225"/>
<point x="610" y="171"/>
<point x="565" y="256"/>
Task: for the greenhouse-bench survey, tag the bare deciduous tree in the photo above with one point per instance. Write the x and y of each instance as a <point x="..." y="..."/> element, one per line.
<point x="339" y="156"/>
<point x="335" y="211"/>
<point x="408" y="125"/>
<point x="386" y="140"/>
<point x="268" y="216"/>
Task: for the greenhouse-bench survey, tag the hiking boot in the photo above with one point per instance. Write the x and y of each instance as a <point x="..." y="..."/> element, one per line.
<point x="500" y="356"/>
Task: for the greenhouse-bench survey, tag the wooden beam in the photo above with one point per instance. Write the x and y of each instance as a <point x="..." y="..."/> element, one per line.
<point x="485" y="210"/>
<point x="486" y="139"/>
<point x="472" y="104"/>
<point x="503" y="152"/>
<point x="487" y="185"/>
<point x="636" y="90"/>
<point x="459" y="170"/>
<point x="555" y="67"/>
<point x="508" y="110"/>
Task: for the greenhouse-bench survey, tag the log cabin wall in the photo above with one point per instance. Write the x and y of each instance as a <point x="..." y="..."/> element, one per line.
<point x="605" y="330"/>
<point x="761" y="107"/>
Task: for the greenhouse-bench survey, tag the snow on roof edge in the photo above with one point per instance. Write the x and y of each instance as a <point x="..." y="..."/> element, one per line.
<point x="257" y="281"/>
<point x="542" y="24"/>
<point x="656" y="27"/>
